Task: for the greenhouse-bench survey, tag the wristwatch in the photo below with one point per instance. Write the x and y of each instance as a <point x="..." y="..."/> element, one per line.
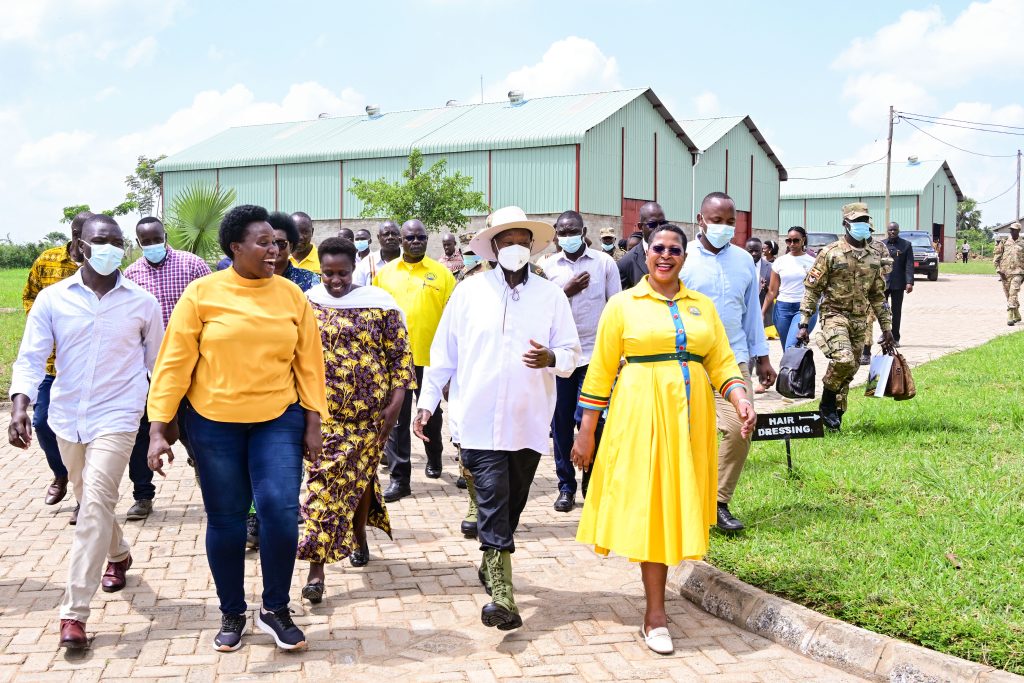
<point x="803" y="326"/>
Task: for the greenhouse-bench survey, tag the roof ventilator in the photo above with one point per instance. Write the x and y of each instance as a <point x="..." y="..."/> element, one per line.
<point x="373" y="111"/>
<point x="515" y="98"/>
<point x="912" y="160"/>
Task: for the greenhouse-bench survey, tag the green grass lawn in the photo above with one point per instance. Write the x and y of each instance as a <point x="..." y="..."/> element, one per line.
<point x="11" y="327"/>
<point x="910" y="522"/>
<point x="969" y="268"/>
<point x="12" y="281"/>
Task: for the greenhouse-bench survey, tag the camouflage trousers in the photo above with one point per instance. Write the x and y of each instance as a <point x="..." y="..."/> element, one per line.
<point x="841" y="340"/>
<point x="1011" y="287"/>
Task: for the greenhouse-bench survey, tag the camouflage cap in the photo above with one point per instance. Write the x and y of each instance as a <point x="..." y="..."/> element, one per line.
<point x="1014" y="226"/>
<point x="855" y="210"/>
<point x="466" y="237"/>
<point x="607" y="232"/>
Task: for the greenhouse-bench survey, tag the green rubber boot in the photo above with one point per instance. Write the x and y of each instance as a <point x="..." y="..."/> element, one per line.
<point x="481" y="574"/>
<point x="469" y="522"/>
<point x="501" y="612"/>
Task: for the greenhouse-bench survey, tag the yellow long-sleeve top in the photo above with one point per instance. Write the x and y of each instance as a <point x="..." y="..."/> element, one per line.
<point x="240" y="350"/>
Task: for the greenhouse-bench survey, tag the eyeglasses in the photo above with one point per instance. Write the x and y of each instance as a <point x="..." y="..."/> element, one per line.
<point x="415" y="238"/>
<point x="653" y="224"/>
<point x="281" y="244"/>
<point x="793" y="240"/>
<point x="660" y="249"/>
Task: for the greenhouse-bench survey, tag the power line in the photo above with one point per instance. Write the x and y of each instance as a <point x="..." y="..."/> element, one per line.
<point x="1000" y="194"/>
<point x="980" y="154"/>
<point x="854" y="167"/>
<point x="976" y="123"/>
<point x="956" y="125"/>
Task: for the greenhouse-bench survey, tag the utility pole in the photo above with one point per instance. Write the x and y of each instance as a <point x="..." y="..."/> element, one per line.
<point x="1016" y="216"/>
<point x="888" y="170"/>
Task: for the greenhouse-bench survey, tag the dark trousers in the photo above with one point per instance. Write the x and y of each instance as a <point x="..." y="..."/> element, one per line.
<point x="502" y="480"/>
<point x="895" y="299"/>
<point x="399" y="446"/>
<point x="563" y="428"/>
<point x="138" y="465"/>
<point x="964" y="255"/>
<point x="47" y="439"/>
<point x="237" y="461"/>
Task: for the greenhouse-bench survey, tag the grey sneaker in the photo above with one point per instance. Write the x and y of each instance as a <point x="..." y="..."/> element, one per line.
<point x="281" y="628"/>
<point x="140" y="510"/>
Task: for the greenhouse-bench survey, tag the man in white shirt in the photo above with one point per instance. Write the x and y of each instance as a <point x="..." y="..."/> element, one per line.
<point x="92" y="318"/>
<point x="588" y="278"/>
<point x="501" y="341"/>
<point x="390" y="237"/>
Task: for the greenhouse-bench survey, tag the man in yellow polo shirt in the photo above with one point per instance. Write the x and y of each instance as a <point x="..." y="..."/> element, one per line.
<point x="422" y="287"/>
<point x="304" y="255"/>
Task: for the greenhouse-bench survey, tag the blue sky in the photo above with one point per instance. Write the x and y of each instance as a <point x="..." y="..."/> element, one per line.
<point x="91" y="84"/>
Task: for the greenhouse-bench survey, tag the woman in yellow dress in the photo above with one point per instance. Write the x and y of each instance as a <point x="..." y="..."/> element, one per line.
<point x="653" y="490"/>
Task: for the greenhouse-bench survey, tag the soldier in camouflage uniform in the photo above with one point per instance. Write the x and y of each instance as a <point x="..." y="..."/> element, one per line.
<point x="1009" y="263"/>
<point x="883" y="252"/>
<point x="847" y="277"/>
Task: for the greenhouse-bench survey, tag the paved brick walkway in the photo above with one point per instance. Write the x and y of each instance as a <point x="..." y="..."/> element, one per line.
<point x="413" y="612"/>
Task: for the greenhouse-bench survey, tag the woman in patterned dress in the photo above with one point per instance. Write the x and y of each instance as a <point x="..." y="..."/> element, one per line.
<point x="369" y="369"/>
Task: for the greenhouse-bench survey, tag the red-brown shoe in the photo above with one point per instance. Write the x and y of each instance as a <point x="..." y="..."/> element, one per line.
<point x="113" y="578"/>
<point x="72" y="634"/>
<point x="56" y="491"/>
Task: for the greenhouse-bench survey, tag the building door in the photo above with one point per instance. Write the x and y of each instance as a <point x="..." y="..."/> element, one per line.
<point x="937" y="237"/>
<point x="742" y="229"/>
<point x="631" y="215"/>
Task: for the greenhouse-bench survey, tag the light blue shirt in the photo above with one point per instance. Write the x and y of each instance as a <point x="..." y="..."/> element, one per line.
<point x="105" y="348"/>
<point x="730" y="279"/>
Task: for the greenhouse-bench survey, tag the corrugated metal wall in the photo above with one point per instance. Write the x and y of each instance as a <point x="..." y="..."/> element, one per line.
<point x="538" y="180"/>
<point x="741" y="146"/>
<point x="314" y="188"/>
<point x="389" y="168"/>
<point x="253" y="184"/>
<point x="601" y="179"/>
<point x="472" y="164"/>
<point x="825" y="215"/>
<point x="177" y="181"/>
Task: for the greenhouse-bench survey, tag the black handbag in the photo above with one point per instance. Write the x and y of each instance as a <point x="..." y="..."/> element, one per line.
<point x="796" y="376"/>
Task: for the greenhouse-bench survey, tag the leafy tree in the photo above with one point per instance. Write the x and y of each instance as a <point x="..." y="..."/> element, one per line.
<point x="144" y="185"/>
<point x="56" y="237"/>
<point x="193" y="219"/>
<point x="124" y="208"/>
<point x="968" y="215"/>
<point x="438" y="199"/>
<point x="71" y="211"/>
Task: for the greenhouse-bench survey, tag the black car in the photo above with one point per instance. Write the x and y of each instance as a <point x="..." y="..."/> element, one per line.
<point x="926" y="259"/>
<point x="816" y="241"/>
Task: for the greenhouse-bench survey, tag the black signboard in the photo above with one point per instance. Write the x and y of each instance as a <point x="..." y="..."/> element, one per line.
<point x="779" y="426"/>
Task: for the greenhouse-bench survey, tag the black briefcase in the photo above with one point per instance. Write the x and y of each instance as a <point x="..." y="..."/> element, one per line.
<point x="796" y="376"/>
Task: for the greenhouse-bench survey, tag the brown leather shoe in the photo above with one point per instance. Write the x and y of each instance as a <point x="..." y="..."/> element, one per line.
<point x="72" y="634"/>
<point x="113" y="578"/>
<point x="56" y="491"/>
<point x="74" y="515"/>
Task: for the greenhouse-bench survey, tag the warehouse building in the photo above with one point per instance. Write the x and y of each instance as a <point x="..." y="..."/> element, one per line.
<point x="603" y="154"/>
<point x="924" y="195"/>
<point x="735" y="158"/>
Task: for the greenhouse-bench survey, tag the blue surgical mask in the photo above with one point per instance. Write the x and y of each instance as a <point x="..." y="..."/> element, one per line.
<point x="608" y="247"/>
<point x="571" y="244"/>
<point x="719" y="234"/>
<point x="362" y="245"/>
<point x="860" y="231"/>
<point x="104" y="258"/>
<point x="470" y="260"/>
<point x="155" y="253"/>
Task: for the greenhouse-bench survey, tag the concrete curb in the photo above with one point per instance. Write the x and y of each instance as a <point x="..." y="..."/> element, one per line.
<point x="823" y="639"/>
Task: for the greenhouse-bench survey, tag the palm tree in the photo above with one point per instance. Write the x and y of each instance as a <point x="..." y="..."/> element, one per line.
<point x="193" y="219"/>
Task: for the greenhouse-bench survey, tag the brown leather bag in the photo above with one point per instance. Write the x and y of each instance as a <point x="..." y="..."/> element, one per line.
<point x="901" y="384"/>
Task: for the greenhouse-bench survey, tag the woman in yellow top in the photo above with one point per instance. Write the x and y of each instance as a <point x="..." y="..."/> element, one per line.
<point x="242" y="355"/>
<point x="653" y="491"/>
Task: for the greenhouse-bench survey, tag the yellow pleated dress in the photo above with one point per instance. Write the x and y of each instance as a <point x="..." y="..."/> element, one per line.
<point x="653" y="490"/>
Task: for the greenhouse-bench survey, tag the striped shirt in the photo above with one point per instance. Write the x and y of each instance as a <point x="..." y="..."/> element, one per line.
<point x="167" y="280"/>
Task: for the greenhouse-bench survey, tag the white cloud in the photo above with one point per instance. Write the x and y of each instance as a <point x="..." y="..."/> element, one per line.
<point x="141" y="52"/>
<point x="215" y="54"/>
<point x="22" y="20"/>
<point x="706" y="104"/>
<point x="570" y="65"/>
<point x="53" y="149"/>
<point x="106" y="93"/>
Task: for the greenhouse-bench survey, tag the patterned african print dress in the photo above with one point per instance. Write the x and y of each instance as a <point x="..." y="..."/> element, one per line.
<point x="367" y="356"/>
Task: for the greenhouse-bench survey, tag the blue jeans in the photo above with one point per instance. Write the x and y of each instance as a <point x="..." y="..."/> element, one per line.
<point x="138" y="465"/>
<point x="237" y="461"/>
<point x="785" y="317"/>
<point x="563" y="430"/>
<point x="47" y="439"/>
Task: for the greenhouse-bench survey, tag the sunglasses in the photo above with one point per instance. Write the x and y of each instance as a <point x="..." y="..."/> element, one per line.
<point x="653" y="224"/>
<point x="281" y="244"/>
<point x="415" y="238"/>
<point x="793" y="240"/>
<point x="660" y="249"/>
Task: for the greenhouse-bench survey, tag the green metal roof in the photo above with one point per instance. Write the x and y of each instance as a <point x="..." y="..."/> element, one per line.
<point x="706" y="132"/>
<point x="864" y="180"/>
<point x="539" y="122"/>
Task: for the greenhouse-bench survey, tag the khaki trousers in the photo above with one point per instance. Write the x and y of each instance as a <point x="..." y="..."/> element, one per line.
<point x="733" y="448"/>
<point x="95" y="471"/>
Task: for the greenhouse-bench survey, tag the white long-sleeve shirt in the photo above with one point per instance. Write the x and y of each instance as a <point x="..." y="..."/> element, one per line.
<point x="588" y="304"/>
<point x="105" y="349"/>
<point x="486" y="328"/>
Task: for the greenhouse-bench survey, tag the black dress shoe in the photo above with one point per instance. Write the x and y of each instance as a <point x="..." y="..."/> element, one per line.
<point x="565" y="502"/>
<point x="361" y="557"/>
<point x="432" y="472"/>
<point x="396" y="491"/>
<point x="461" y="483"/>
<point x="726" y="522"/>
<point x="468" y="529"/>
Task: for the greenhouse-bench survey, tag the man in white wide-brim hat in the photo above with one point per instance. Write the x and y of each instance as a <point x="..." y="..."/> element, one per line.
<point x="503" y="338"/>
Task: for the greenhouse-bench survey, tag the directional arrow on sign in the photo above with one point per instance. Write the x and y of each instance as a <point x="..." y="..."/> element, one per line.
<point x="812" y="418"/>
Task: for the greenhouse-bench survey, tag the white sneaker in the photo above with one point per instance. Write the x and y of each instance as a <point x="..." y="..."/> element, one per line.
<point x="658" y="640"/>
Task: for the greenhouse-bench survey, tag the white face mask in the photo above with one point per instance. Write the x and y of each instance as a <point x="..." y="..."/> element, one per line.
<point x="105" y="258"/>
<point x="719" y="234"/>
<point x="513" y="257"/>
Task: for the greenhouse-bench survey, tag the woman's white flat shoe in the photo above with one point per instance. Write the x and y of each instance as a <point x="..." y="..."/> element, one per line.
<point x="658" y="640"/>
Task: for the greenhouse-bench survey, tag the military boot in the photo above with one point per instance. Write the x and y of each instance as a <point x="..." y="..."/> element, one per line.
<point x="469" y="522"/>
<point x="829" y="411"/>
<point x="501" y="612"/>
<point x="1011" y="319"/>
<point x="1016" y="314"/>
<point x="481" y="574"/>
